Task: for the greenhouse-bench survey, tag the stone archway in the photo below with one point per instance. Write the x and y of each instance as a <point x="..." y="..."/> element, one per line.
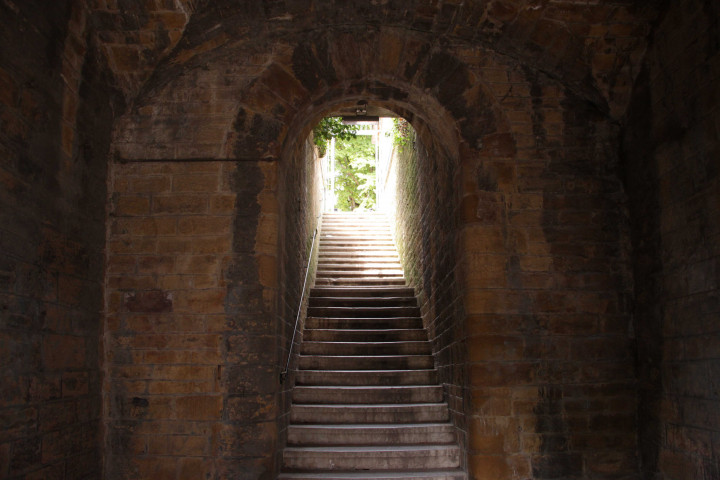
<point x="501" y="258"/>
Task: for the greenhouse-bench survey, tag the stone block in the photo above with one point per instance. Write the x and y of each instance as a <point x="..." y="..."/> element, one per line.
<point x="196" y="183"/>
<point x="64" y="351"/>
<point x="131" y="206"/>
<point x="179" y="204"/>
<point x="148" y="184"/>
<point x="502" y="374"/>
<point x="150" y="301"/>
<point x="205" y="225"/>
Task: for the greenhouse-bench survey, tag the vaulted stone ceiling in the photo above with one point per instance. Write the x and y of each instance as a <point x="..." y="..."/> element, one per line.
<point x="592" y="47"/>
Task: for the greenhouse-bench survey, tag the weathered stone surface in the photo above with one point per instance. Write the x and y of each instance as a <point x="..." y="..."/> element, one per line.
<point x="515" y="226"/>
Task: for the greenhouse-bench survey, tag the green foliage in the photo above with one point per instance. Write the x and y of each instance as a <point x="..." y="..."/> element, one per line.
<point x="355" y="164"/>
<point x="331" y="127"/>
<point x="403" y="134"/>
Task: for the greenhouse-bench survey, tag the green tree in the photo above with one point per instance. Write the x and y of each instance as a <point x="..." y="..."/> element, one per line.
<point x="331" y="127"/>
<point x="355" y="166"/>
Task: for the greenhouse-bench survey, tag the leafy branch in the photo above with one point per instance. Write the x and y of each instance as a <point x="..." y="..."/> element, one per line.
<point x="331" y="127"/>
<point x="403" y="134"/>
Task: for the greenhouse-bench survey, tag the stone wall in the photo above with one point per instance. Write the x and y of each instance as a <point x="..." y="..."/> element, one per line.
<point x="56" y="113"/>
<point x="200" y="310"/>
<point x="671" y="152"/>
<point x="543" y="245"/>
<point x="301" y="204"/>
<point x="518" y="219"/>
<point x="425" y="213"/>
<point x="190" y="336"/>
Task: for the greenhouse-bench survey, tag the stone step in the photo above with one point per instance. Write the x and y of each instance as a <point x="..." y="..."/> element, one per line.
<point x="369" y="255"/>
<point x="369" y="244"/>
<point x="370" y="231"/>
<point x="372" y="458"/>
<point x="338" y="301"/>
<point x="380" y="273"/>
<point x="367" y="394"/>
<point x="363" y="312"/>
<point x="352" y="233"/>
<point x="365" y="222"/>
<point x="356" y="218"/>
<point x="362" y="323"/>
<point x="359" y="266"/>
<point x="360" y="237"/>
<point x="380" y="291"/>
<point x="455" y="474"/>
<point x="370" y="281"/>
<point x="378" y="362"/>
<point x="362" y="414"/>
<point x="367" y="403"/>
<point x="366" y="348"/>
<point x="366" y="377"/>
<point x="348" y="335"/>
<point x="360" y="261"/>
<point x="341" y="249"/>
<point x="372" y="434"/>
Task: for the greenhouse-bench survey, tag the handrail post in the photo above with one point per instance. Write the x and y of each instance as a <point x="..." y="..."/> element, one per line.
<point x="284" y="373"/>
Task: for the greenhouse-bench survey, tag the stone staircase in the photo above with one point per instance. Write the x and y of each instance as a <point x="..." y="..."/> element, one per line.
<point x="366" y="402"/>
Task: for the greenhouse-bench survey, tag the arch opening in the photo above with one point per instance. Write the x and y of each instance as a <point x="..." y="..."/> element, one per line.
<point x="421" y="199"/>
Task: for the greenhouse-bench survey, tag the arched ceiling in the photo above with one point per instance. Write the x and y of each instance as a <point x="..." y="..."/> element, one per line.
<point x="591" y="47"/>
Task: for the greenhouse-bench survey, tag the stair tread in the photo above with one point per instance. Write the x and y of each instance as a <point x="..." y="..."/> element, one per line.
<point x="370" y="372"/>
<point x="365" y="356"/>
<point x="368" y="343"/>
<point x="363" y="415"/>
<point x="373" y="406"/>
<point x="367" y="387"/>
<point x="373" y="448"/>
<point x="350" y="475"/>
<point x="372" y="426"/>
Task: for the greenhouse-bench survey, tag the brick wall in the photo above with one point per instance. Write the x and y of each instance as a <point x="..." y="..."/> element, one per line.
<point x="301" y="205"/>
<point x="425" y="230"/>
<point x="543" y="244"/>
<point x="198" y="304"/>
<point x="671" y="167"/>
<point x="56" y="112"/>
<point x="191" y="376"/>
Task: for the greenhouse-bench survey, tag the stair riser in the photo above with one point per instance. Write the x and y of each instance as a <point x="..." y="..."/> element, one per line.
<point x="352" y="257"/>
<point x="379" y="460"/>
<point x="363" y="323"/>
<point x="316" y="362"/>
<point x="452" y="475"/>
<point x="406" y="435"/>
<point x="363" y="312"/>
<point x="371" y="240"/>
<point x="363" y="302"/>
<point x="369" y="395"/>
<point x="364" y="274"/>
<point x="361" y="414"/>
<point x="377" y="292"/>
<point x="359" y="281"/>
<point x="370" y="349"/>
<point x="350" y="252"/>
<point x="373" y="377"/>
<point x="344" y="335"/>
<point x="348" y="241"/>
<point x="358" y="265"/>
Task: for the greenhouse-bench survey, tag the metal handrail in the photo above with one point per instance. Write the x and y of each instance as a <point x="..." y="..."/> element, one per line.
<point x="284" y="373"/>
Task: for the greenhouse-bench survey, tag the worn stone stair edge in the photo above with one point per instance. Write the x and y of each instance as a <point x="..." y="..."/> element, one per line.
<point x="424" y="475"/>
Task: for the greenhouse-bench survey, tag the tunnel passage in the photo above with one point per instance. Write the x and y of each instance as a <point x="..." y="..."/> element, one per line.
<point x="573" y="314"/>
<point x="508" y="227"/>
